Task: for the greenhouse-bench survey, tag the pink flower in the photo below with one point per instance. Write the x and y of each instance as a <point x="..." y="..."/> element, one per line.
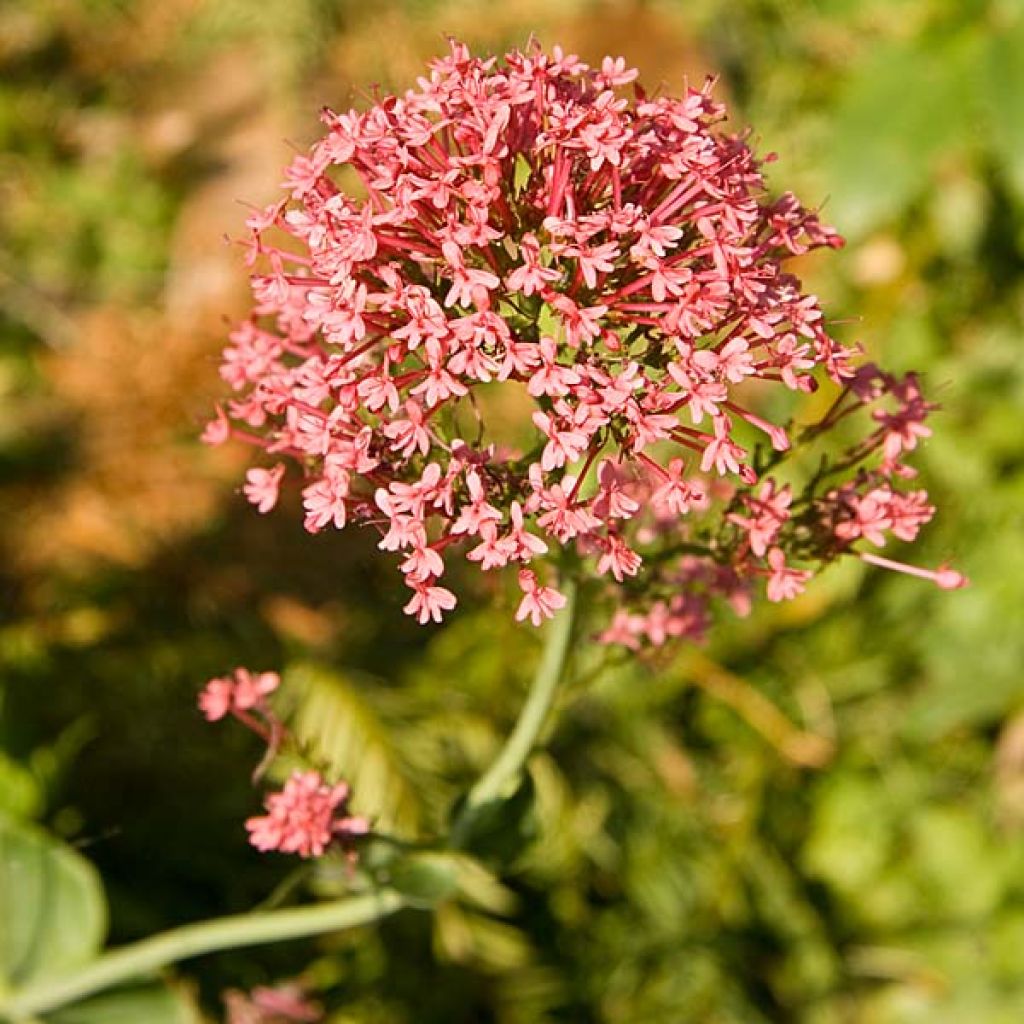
<point x="305" y="817"/>
<point x="218" y="430"/>
<point x="262" y="486"/>
<point x="541" y="228"/>
<point x="241" y="692"/>
<point x="283" y="1004"/>
<point x="618" y="559"/>
<point x="428" y="603"/>
<point x="538" y="602"/>
<point x="784" y="583"/>
<point x="868" y="516"/>
<point x="769" y="513"/>
<point x="217" y="699"/>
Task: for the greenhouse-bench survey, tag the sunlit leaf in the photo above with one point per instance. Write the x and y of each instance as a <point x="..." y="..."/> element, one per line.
<point x="53" y="914"/>
<point x="341" y="729"/>
<point x="155" y="1004"/>
<point x="426" y="878"/>
<point x="20" y="792"/>
<point x="1005" y="99"/>
<point x="886" y="136"/>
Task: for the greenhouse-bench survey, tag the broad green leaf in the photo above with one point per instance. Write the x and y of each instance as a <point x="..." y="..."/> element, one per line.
<point x="1005" y="100"/>
<point x="464" y="936"/>
<point x="53" y="914"/>
<point x="341" y="729"/>
<point x="153" y="1004"/>
<point x="426" y="877"/>
<point x="20" y="793"/>
<point x="899" y="110"/>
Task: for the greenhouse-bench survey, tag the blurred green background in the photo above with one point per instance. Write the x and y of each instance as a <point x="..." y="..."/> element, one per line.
<point x="819" y="818"/>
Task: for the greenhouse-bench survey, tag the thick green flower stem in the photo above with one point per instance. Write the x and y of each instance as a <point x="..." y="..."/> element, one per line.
<point x="501" y="777"/>
<point x="132" y="962"/>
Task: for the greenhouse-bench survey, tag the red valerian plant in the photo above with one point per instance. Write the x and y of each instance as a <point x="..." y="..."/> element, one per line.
<point x="614" y="256"/>
<point x="617" y="255"/>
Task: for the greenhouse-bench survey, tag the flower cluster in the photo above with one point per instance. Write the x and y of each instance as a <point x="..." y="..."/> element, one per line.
<point x="305" y="817"/>
<point x="240" y="694"/>
<point x="283" y="1004"/>
<point x="308" y="814"/>
<point x="544" y="225"/>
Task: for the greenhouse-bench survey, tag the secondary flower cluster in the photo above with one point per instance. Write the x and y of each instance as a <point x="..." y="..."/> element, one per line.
<point x="308" y="814"/>
<point x="306" y="817"/>
<point x="241" y="694"/>
<point x="613" y="257"/>
<point x="284" y="1004"/>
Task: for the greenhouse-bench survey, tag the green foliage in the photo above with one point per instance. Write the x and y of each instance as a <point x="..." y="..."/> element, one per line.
<point x="51" y="904"/>
<point x="668" y="858"/>
<point x="341" y="730"/>
<point x="154" y="1005"/>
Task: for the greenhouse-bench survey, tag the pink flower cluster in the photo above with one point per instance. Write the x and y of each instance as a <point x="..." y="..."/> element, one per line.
<point x="305" y="817"/>
<point x="613" y="255"/>
<point x="240" y="693"/>
<point x="283" y="1004"/>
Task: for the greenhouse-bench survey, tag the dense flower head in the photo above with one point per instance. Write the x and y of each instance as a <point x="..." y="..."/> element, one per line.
<point x="305" y="817"/>
<point x="542" y="224"/>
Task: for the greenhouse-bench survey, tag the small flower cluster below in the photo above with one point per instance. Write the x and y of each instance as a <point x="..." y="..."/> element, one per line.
<point x="282" y="1004"/>
<point x="308" y="815"/>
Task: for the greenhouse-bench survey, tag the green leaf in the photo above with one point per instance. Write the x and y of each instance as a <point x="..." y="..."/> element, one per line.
<point x="899" y="110"/>
<point x="426" y="878"/>
<point x="480" y="888"/>
<point x="20" y="793"/>
<point x="503" y="828"/>
<point x="341" y="729"/>
<point x="152" y="1004"/>
<point x="548" y="321"/>
<point x="464" y="936"/>
<point x="1004" y="99"/>
<point x="522" y="174"/>
<point x="53" y="914"/>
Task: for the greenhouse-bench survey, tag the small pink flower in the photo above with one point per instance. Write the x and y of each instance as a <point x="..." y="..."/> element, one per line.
<point x="618" y="559"/>
<point x="304" y="817"/>
<point x="538" y="602"/>
<point x="217" y="699"/>
<point x="251" y="688"/>
<point x="283" y="1004"/>
<point x="262" y="486"/>
<point x="244" y="691"/>
<point x="784" y="583"/>
<point x="218" y="430"/>
<point x="429" y="603"/>
<point x="769" y="512"/>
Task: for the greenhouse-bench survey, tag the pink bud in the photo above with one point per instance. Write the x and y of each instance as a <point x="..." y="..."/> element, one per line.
<point x="950" y="579"/>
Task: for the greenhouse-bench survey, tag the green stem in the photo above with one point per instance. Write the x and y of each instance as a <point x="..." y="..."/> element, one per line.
<point x="239" y="930"/>
<point x="507" y="766"/>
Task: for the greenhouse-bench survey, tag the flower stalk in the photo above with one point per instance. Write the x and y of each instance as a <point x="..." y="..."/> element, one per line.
<point x="141" y="958"/>
<point x="499" y="779"/>
<point x="239" y="930"/>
